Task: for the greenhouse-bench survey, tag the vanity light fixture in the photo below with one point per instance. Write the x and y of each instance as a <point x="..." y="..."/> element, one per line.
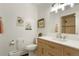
<point x="57" y="6"/>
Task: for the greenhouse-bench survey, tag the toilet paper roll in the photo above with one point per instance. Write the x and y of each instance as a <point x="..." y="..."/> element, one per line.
<point x="12" y="42"/>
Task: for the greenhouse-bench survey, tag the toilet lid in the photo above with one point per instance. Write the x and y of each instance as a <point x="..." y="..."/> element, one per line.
<point x="31" y="45"/>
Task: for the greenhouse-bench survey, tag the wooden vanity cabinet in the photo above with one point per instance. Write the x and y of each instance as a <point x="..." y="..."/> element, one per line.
<point x="68" y="51"/>
<point x="41" y="48"/>
<point x="54" y="49"/>
<point x="40" y="51"/>
<point x="48" y="48"/>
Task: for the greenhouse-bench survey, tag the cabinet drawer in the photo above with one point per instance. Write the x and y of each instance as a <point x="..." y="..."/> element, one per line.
<point x="50" y="53"/>
<point x="67" y="51"/>
<point x="55" y="52"/>
<point x="41" y="42"/>
<point x="54" y="46"/>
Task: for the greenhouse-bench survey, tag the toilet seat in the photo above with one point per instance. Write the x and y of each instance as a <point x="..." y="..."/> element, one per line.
<point x="31" y="47"/>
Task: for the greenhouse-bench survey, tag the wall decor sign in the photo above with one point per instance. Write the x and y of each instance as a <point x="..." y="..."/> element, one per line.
<point x="1" y="25"/>
<point x="41" y="23"/>
<point x="28" y="26"/>
<point x="20" y="21"/>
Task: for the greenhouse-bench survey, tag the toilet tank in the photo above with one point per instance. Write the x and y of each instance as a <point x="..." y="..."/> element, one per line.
<point x="20" y="44"/>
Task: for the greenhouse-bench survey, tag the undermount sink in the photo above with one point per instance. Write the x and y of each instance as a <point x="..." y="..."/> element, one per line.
<point x="60" y="39"/>
<point x="67" y="41"/>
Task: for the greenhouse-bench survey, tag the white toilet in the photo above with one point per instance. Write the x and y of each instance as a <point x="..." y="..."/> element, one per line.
<point x="22" y="48"/>
<point x="15" y="53"/>
<point x="30" y="48"/>
<point x="19" y="48"/>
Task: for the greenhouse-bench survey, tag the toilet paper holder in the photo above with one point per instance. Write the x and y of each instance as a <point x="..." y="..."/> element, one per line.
<point x="12" y="42"/>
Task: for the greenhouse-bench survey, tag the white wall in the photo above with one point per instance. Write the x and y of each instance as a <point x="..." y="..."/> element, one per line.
<point x="43" y="12"/>
<point x="30" y="13"/>
<point x="56" y="17"/>
<point x="9" y="13"/>
<point x="51" y="19"/>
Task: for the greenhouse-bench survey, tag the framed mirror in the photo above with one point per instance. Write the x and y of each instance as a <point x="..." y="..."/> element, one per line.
<point x="68" y="24"/>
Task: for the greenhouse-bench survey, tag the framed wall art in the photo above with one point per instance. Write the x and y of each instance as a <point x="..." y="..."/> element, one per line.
<point x="41" y="23"/>
<point x="1" y="25"/>
<point x="28" y="26"/>
<point x="20" y="21"/>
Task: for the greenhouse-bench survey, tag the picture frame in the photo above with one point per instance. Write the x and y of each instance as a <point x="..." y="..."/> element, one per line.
<point x="20" y="21"/>
<point x="41" y="23"/>
<point x="28" y="26"/>
<point x="1" y="25"/>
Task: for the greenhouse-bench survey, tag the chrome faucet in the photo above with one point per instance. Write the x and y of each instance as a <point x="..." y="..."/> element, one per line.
<point x="60" y="36"/>
<point x="64" y="37"/>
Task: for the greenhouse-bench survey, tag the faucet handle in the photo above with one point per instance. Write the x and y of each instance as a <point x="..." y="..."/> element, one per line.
<point x="64" y="37"/>
<point x="58" y="35"/>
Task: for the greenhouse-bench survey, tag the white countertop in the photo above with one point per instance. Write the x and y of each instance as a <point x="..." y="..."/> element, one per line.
<point x="68" y="42"/>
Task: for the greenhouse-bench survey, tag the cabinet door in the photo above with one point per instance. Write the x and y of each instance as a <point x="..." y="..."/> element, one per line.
<point x="39" y="51"/>
<point x="51" y="52"/>
<point x="54" y="49"/>
<point x="67" y="51"/>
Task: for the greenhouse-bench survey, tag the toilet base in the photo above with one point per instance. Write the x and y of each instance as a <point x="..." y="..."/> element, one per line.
<point x="16" y="53"/>
<point x="27" y="54"/>
<point x="31" y="53"/>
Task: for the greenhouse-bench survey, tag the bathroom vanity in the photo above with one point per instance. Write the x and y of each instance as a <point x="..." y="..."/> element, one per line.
<point x="55" y="45"/>
<point x="48" y="46"/>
